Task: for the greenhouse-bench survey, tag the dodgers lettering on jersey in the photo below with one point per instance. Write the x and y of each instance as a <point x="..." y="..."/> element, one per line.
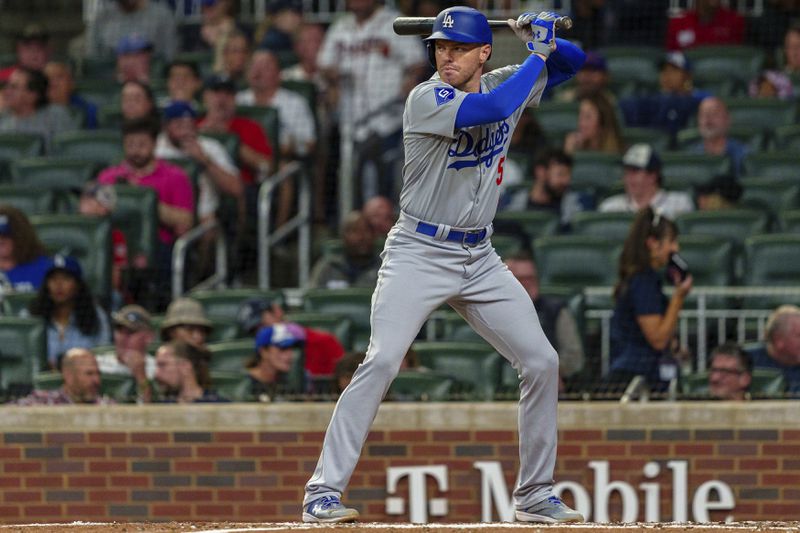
<point x="452" y="176"/>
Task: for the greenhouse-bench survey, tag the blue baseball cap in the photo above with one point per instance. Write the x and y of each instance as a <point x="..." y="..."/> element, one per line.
<point x="5" y="226"/>
<point x="280" y="335"/>
<point x="208" y="3"/>
<point x="65" y="263"/>
<point x="179" y="109"/>
<point x="131" y="44"/>
<point x="595" y="61"/>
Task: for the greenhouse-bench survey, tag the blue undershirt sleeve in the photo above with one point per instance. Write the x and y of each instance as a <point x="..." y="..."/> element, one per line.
<point x="499" y="103"/>
<point x="564" y="62"/>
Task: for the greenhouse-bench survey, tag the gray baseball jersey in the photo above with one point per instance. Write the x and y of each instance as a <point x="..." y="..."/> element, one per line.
<point x="451" y="180"/>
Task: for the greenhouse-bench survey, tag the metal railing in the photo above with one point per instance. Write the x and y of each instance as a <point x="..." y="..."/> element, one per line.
<point x="300" y="223"/>
<point x="181" y="249"/>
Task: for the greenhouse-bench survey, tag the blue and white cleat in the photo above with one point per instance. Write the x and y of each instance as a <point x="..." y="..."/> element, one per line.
<point x="549" y="511"/>
<point x="328" y="510"/>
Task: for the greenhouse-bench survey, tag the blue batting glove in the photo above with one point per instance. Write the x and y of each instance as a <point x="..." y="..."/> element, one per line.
<point x="543" y="30"/>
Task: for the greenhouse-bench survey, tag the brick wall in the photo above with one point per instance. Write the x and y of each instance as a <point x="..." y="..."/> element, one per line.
<point x="250" y="462"/>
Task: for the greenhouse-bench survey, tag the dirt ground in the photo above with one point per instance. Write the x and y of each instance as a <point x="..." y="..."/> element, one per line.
<point x="230" y="527"/>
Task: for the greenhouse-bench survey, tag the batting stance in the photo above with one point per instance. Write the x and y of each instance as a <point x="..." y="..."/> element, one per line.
<point x="456" y="130"/>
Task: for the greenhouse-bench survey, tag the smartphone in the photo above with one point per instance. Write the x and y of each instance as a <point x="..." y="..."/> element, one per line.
<point x="677" y="264"/>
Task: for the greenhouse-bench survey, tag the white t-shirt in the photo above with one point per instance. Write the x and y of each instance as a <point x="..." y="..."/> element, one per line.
<point x="296" y="122"/>
<point x="668" y="203"/>
<point x="108" y="363"/>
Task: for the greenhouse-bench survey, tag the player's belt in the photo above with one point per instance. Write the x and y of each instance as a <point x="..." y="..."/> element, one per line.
<point x="468" y="237"/>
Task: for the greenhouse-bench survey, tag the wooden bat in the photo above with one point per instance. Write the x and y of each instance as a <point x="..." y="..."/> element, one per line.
<point x="424" y="25"/>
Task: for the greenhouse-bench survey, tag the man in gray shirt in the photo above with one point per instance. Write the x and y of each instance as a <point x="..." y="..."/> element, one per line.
<point x="149" y="20"/>
<point x="27" y="108"/>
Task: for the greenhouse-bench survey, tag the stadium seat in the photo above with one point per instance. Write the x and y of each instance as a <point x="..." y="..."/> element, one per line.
<point x="230" y="141"/>
<point x="786" y="138"/>
<point x="339" y="326"/>
<point x="710" y="259"/>
<point x="764" y="113"/>
<point x="16" y="303"/>
<point x="60" y="175"/>
<point x="507" y="245"/>
<point x="306" y="89"/>
<point x="231" y="356"/>
<point x="17" y="145"/>
<point x="779" y="165"/>
<point x="658" y="139"/>
<point x="110" y="116"/>
<point x="268" y="118"/>
<point x="608" y="225"/>
<point x="102" y="146"/>
<point x="770" y="195"/>
<point x="733" y="224"/>
<point x="233" y="386"/>
<point x="224" y="303"/>
<point x="527" y="224"/>
<point x="410" y="385"/>
<point x="31" y="200"/>
<point x="85" y="238"/>
<point x="738" y="62"/>
<point x="204" y="59"/>
<point x="753" y="137"/>
<point x="771" y="261"/>
<point x="353" y="303"/>
<point x="557" y="118"/>
<point x="23" y="353"/>
<point x="118" y="387"/>
<point x="765" y="383"/>
<point x="683" y="171"/>
<point x="576" y="261"/>
<point x="633" y="63"/>
<point x="790" y="221"/>
<point x="509" y="382"/>
<point x="224" y="330"/>
<point x="474" y="364"/>
<point x="596" y="172"/>
<point x="97" y="71"/>
<point x="136" y="216"/>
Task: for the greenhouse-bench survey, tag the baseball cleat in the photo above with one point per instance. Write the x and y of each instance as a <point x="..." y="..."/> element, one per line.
<point x="328" y="510"/>
<point x="549" y="511"/>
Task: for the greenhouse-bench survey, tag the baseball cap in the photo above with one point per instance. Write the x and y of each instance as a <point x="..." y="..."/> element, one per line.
<point x="280" y="335"/>
<point x="642" y="156"/>
<point x="249" y="314"/>
<point x="133" y="317"/>
<point x="220" y="82"/>
<point x="131" y="44"/>
<point x="595" y="61"/>
<point x="5" y="226"/>
<point x="104" y="194"/>
<point x="179" y="109"/>
<point x="208" y="3"/>
<point x="65" y="263"/>
<point x="33" y="32"/>
<point x="284" y="5"/>
<point x="676" y="59"/>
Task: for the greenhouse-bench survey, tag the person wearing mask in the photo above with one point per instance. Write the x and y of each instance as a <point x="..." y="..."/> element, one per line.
<point x="23" y="258"/>
<point x="81" y="383"/>
<point x="644" y="320"/>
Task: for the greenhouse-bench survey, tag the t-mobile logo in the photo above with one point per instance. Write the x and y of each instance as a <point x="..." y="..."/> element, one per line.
<point x="419" y="506"/>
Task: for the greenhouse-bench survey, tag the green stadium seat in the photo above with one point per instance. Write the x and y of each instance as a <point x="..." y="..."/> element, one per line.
<point x="120" y="388"/>
<point x="771" y="261"/>
<point x="353" y="303"/>
<point x="85" y="238"/>
<point x="339" y="326"/>
<point x="752" y="136"/>
<point x="17" y="145"/>
<point x="99" y="92"/>
<point x="506" y="245"/>
<point x="136" y="216"/>
<point x="306" y="89"/>
<point x="102" y="146"/>
<point x="738" y="62"/>
<point x="231" y="356"/>
<point x="233" y="386"/>
<point x="60" y="175"/>
<point x="787" y="138"/>
<point x="633" y="63"/>
<point x="683" y="171"/>
<point x="596" y="172"/>
<point x="204" y="59"/>
<point x="228" y="140"/>
<point x="710" y="259"/>
<point x="770" y="195"/>
<point x="224" y="303"/>
<point x="110" y="116"/>
<point x="576" y="261"/>
<point x="790" y="221"/>
<point x="764" y="113"/>
<point x="268" y="118"/>
<point x="16" y="303"/>
<point x="779" y="165"/>
<point x="224" y="330"/>
<point x="31" y="200"/>
<point x="474" y="364"/>
<point x="97" y="71"/>
<point x="608" y="225"/>
<point x="23" y="353"/>
<point x="557" y="118"/>
<point x="732" y="224"/>
<point x="420" y="386"/>
<point x="658" y="139"/>
<point x="531" y="223"/>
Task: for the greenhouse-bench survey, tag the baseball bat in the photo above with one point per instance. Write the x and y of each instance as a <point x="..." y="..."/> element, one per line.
<point x="424" y="25"/>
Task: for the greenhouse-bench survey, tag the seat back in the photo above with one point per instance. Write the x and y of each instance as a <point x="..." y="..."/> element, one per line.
<point x="269" y="120"/>
<point x="16" y="303"/>
<point x="732" y="224"/>
<point x="102" y="146"/>
<point x="780" y="165"/>
<point x="527" y="224"/>
<point x="353" y="303"/>
<point x="233" y="386"/>
<point x="474" y="366"/>
<point x="752" y="136"/>
<point x="790" y="221"/>
<point x="770" y="195"/>
<point x="771" y="260"/>
<point x="596" y="172"/>
<point x="31" y="200"/>
<point x="576" y="260"/>
<point x="710" y="259"/>
<point x="738" y="62"/>
<point x="338" y="326"/>
<point x="23" y="353"/>
<point x="231" y="356"/>
<point x="635" y="63"/>
<point x="607" y="225"/>
<point x="764" y="113"/>
<point x="683" y="171"/>
<point x="656" y="138"/>
<point x="411" y="385"/>
<point x="136" y="216"/>
<point x="119" y="387"/>
<point x="225" y="303"/>
<point x="557" y="118"/>
<point x="56" y="174"/>
<point x="230" y="141"/>
<point x="17" y="145"/>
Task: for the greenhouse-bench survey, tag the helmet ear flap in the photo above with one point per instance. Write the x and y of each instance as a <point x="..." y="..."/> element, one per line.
<point x="431" y="53"/>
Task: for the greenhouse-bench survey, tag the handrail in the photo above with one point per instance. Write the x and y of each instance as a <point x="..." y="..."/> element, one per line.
<point x="179" y="258"/>
<point x="301" y="223"/>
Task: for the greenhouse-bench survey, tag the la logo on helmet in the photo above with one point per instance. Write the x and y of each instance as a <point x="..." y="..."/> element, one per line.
<point x="448" y="21"/>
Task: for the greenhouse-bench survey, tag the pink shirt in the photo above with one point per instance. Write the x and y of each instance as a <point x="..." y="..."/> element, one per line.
<point x="170" y="182"/>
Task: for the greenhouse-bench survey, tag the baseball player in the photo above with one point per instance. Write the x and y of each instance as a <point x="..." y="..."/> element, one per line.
<point x="456" y="131"/>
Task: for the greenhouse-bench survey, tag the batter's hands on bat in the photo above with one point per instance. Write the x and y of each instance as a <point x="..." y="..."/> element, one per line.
<point x="522" y="26"/>
<point x="543" y="33"/>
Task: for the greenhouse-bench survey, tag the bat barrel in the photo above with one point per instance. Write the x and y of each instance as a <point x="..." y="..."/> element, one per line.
<point x="424" y="25"/>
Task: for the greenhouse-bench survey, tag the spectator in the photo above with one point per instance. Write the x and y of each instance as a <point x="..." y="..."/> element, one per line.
<point x="644" y="322"/>
<point x="32" y="50"/>
<point x="730" y="372"/>
<point x="133" y="333"/>
<point x="72" y="316"/>
<point x="642" y="179"/>
<point x="61" y="91"/>
<point x="180" y="140"/>
<point x="306" y="47"/>
<point x="557" y="321"/>
<point x="791" y="52"/>
<point x="721" y="192"/>
<point x="592" y="78"/>
<point x="186" y="321"/>
<point x="23" y="258"/>
<point x="235" y="56"/>
<point x="81" y="383"/>
<point x="98" y="200"/>
<point x="707" y="24"/>
<point x="27" y="109"/>
<point x="371" y="69"/>
<point x="183" y="81"/>
<point x="713" y="124"/>
<point x="277" y="32"/>
<point x="322" y="349"/>
<point x="153" y="21"/>
<point x="781" y="347"/>
<point x="381" y="215"/>
<point x="552" y="174"/>
<point x="217" y="23"/>
<point x="598" y="129"/>
<point x="137" y="102"/>
<point x="182" y="374"/>
<point x="269" y="369"/>
<point x="133" y="59"/>
<point x="345" y="369"/>
<point x="771" y="84"/>
<point x="675" y="103"/>
<point x="357" y="265"/>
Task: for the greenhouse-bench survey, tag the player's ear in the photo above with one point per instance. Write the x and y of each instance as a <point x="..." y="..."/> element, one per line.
<point x="486" y="53"/>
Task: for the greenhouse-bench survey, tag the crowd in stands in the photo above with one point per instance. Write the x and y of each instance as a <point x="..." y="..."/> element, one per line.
<point x="203" y="114"/>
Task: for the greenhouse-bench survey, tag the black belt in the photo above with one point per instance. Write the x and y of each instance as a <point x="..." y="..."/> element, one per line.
<point x="469" y="237"/>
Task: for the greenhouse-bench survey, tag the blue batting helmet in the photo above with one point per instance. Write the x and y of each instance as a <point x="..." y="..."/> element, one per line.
<point x="461" y="24"/>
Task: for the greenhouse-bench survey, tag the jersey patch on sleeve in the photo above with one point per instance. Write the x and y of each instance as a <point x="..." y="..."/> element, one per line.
<point x="444" y="94"/>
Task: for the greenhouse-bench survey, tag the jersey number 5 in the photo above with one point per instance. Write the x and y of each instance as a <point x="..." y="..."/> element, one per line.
<point x="499" y="178"/>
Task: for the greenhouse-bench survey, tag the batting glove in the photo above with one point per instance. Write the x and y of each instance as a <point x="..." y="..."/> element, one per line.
<point x="543" y="33"/>
<point x="522" y="26"/>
